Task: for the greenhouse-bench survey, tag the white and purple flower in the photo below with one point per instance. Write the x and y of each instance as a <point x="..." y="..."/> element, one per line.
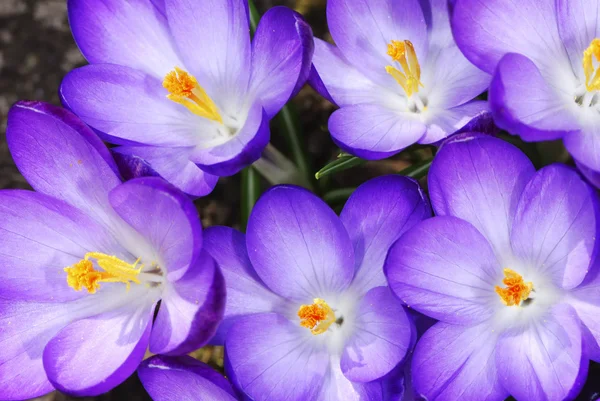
<point x="396" y="74"/>
<point x="85" y="259"/>
<point x="506" y="268"/>
<point x="544" y="55"/>
<point x="179" y="83"/>
<point x="309" y="315"/>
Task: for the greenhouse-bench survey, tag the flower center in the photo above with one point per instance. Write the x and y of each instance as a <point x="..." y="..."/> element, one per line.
<point x="404" y="53"/>
<point x="184" y="89"/>
<point x="316" y="317"/>
<point x="592" y="73"/>
<point x="114" y="270"/>
<point x="516" y="289"/>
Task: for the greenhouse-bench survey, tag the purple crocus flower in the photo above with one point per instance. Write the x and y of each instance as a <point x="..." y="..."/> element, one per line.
<point x="544" y="55"/>
<point x="396" y="74"/>
<point x="85" y="259"/>
<point x="183" y="379"/>
<point x="505" y="268"/>
<point x="309" y="315"/>
<point x="180" y="85"/>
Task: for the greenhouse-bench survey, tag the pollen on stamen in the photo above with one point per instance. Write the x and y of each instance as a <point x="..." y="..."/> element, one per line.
<point x="404" y="53"/>
<point x="83" y="275"/>
<point x="316" y="317"/>
<point x="179" y="83"/>
<point x="516" y="291"/>
<point x="592" y="74"/>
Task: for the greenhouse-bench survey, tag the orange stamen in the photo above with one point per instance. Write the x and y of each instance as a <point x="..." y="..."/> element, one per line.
<point x="316" y="317"/>
<point x="517" y="290"/>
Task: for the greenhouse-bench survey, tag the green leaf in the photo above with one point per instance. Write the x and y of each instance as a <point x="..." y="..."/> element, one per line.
<point x="418" y="170"/>
<point x="338" y="196"/>
<point x="254" y="16"/>
<point x="250" y="193"/>
<point x="343" y="162"/>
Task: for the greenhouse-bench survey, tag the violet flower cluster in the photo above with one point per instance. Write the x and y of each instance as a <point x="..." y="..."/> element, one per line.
<point x="480" y="285"/>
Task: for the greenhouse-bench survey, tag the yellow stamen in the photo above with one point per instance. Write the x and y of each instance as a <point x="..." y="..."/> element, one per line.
<point x="517" y="290"/>
<point x="404" y="53"/>
<point x="316" y="317"/>
<point x="592" y="83"/>
<point x="184" y="89"/>
<point x="83" y="275"/>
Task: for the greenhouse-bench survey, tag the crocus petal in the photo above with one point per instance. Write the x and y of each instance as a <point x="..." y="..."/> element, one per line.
<point x="165" y="217"/>
<point x="446" y="269"/>
<point x="578" y="26"/>
<point x="246" y="293"/>
<point x="94" y="355"/>
<point x="541" y="361"/>
<point x="130" y="107"/>
<point x="555" y="225"/>
<point x="449" y="78"/>
<point x="545" y="113"/>
<point x="375" y="216"/>
<point x="586" y="301"/>
<point x="60" y="157"/>
<point x="298" y="246"/>
<point x="592" y="176"/>
<point x="282" y="50"/>
<point x="337" y="80"/>
<point x="442" y="123"/>
<point x="585" y="145"/>
<point x="191" y="309"/>
<point x="172" y="164"/>
<point x="130" y="33"/>
<point x="241" y="150"/>
<point x="25" y="329"/>
<point x="183" y="378"/>
<point x="362" y="29"/>
<point x="373" y="132"/>
<point x="337" y="387"/>
<point x="275" y="359"/>
<point x="381" y="339"/>
<point x="39" y="237"/>
<point x="480" y="179"/>
<point x="485" y="30"/>
<point x="457" y="362"/>
<point x="213" y="37"/>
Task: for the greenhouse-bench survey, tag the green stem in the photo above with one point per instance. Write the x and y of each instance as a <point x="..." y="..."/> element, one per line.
<point x="250" y="194"/>
<point x="254" y="16"/>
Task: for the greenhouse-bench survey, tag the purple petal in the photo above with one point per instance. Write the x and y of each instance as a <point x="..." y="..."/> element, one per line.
<point x="585" y="146"/>
<point x="172" y="164"/>
<point x="94" y="355"/>
<point x="442" y="123"/>
<point x="373" y="132"/>
<point x="337" y="387"/>
<point x="213" y="37"/>
<point x="130" y="107"/>
<point x="585" y="300"/>
<point x="555" y="225"/>
<point x="375" y="216"/>
<point x="541" y="361"/>
<point x="485" y="30"/>
<point x="246" y="293"/>
<point x="446" y="269"/>
<point x="480" y="179"/>
<point x="578" y="26"/>
<point x="240" y="151"/>
<point x="183" y="378"/>
<point x="298" y="246"/>
<point x="60" y="157"/>
<point x="190" y="310"/>
<point x="457" y="362"/>
<point x="449" y="78"/>
<point x="25" y="329"/>
<point x="546" y="113"/>
<point x="337" y="80"/>
<point x="39" y="237"/>
<point x="362" y="29"/>
<point x="164" y="216"/>
<point x="282" y="50"/>
<point x="275" y="359"/>
<point x="381" y="339"/>
<point x="592" y="176"/>
<point x="132" y="33"/>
